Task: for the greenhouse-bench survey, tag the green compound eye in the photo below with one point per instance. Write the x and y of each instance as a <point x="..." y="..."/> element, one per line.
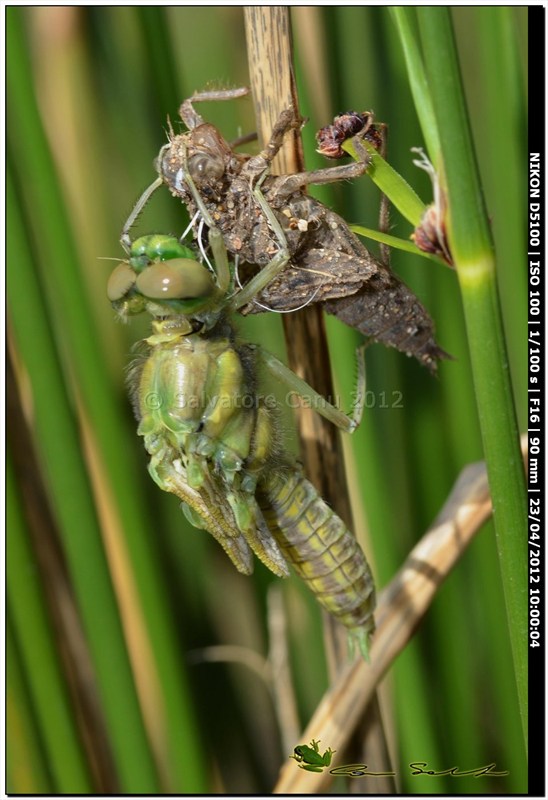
<point x="177" y="279"/>
<point x="156" y="247"/>
<point x="120" y="282"/>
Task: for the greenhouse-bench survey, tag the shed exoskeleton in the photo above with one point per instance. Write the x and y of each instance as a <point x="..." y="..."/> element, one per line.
<point x="269" y="221"/>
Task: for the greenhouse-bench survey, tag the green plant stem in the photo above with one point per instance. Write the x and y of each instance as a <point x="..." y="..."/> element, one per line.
<point x="396" y="243"/>
<point x="471" y="245"/>
<point x="404" y="17"/>
<point x="401" y="195"/>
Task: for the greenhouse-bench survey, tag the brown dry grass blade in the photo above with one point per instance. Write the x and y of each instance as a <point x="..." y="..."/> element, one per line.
<point x="402" y="604"/>
<point x="269" y="42"/>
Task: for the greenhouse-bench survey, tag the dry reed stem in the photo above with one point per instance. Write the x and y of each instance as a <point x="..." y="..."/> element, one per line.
<point x="268" y="34"/>
<point x="270" y="58"/>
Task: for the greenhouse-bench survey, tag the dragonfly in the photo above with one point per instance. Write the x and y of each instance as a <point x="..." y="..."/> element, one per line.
<point x="270" y="222"/>
<point x="213" y="435"/>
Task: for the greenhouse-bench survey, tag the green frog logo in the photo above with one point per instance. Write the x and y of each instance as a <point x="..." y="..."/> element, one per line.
<point x="310" y="758"/>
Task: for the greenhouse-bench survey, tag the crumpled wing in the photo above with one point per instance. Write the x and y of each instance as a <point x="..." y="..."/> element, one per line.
<point x="217" y="517"/>
<point x="211" y="503"/>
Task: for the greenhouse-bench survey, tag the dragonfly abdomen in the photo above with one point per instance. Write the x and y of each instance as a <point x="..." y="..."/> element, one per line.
<point x="322" y="550"/>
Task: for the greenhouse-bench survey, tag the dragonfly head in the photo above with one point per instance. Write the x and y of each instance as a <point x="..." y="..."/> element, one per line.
<point x="162" y="277"/>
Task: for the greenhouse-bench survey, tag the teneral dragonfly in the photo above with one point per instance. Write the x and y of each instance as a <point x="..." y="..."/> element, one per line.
<point x="212" y="434"/>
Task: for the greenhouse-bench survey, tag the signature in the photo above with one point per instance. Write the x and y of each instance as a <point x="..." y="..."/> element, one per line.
<point x="418" y="768"/>
<point x="357" y="771"/>
<point x="455" y="772"/>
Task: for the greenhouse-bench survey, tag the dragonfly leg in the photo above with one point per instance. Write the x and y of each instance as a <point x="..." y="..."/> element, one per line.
<point x="285" y="185"/>
<point x="266" y="275"/>
<point x="313" y="399"/>
<point x="259" y="281"/>
<point x="137" y="208"/>
<point x="288" y="120"/>
<point x="220" y="259"/>
<point x="280" y="260"/>
<point x="256" y="165"/>
<point x="191" y="118"/>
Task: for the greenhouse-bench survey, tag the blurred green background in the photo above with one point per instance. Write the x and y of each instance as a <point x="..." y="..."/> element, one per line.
<point x="138" y="657"/>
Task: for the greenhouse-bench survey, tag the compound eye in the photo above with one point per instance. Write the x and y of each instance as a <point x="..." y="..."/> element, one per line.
<point x="177" y="279"/>
<point x="203" y="167"/>
<point x="121" y="280"/>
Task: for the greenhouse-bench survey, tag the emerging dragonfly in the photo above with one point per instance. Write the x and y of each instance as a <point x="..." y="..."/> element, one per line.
<point x="212" y="435"/>
<point x="271" y="223"/>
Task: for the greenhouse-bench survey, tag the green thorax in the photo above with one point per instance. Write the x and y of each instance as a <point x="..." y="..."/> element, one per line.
<point x="196" y="393"/>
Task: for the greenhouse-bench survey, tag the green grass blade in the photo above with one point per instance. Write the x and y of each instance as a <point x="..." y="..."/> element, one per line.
<point x="398" y="191"/>
<point x="27" y="769"/>
<point x="405" y="19"/>
<point x="33" y="631"/>
<point x="68" y="483"/>
<point x="395" y="243"/>
<point x="69" y="308"/>
<point x="472" y="249"/>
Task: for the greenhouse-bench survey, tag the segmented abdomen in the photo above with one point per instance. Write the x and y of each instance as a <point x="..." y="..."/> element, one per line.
<point x="322" y="550"/>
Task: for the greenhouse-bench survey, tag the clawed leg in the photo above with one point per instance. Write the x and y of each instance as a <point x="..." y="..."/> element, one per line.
<point x="256" y="166"/>
<point x="191" y="118"/>
<point x="257" y="170"/>
<point x="286" y="185"/>
<point x="256" y="285"/>
<point x="276" y="265"/>
<point x="266" y="275"/>
<point x="313" y="399"/>
<point x="287" y="121"/>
